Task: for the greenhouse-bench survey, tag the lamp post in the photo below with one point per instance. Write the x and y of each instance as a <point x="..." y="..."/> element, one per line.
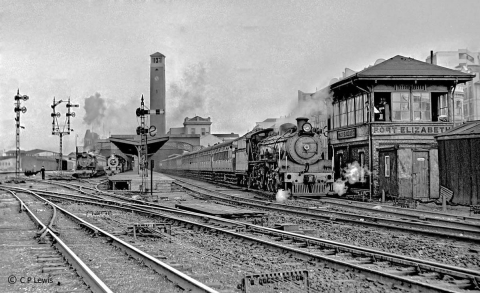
<point x="18" y="109"/>
<point x="56" y="127"/>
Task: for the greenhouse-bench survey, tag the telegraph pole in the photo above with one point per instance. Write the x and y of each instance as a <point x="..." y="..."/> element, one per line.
<point x="17" y="110"/>
<point x="56" y="127"/>
<point x="144" y="131"/>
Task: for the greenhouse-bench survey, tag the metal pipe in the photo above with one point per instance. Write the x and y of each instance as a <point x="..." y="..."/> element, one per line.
<point x="453" y="102"/>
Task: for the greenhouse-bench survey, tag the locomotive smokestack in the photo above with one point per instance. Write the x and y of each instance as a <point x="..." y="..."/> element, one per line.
<point x="301" y="121"/>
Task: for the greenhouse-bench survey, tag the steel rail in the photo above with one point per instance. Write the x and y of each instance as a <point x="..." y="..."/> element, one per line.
<point x="435" y="230"/>
<point x="89" y="277"/>
<point x="177" y="277"/>
<point x="298" y="237"/>
<point x="422" y="265"/>
<point x="401" y="212"/>
<point x="474" y="222"/>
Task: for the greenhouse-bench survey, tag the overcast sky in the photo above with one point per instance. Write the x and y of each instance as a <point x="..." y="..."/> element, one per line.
<point x="237" y="62"/>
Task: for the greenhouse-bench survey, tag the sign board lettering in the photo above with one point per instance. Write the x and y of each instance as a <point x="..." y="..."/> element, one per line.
<point x="348" y="133"/>
<point x="409" y="129"/>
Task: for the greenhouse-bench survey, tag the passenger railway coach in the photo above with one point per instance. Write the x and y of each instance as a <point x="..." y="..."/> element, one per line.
<point x="294" y="158"/>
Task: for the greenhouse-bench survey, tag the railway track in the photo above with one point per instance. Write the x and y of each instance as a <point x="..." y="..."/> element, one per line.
<point x="405" y="213"/>
<point x="55" y="259"/>
<point x="123" y="273"/>
<point x="467" y="231"/>
<point x="388" y="268"/>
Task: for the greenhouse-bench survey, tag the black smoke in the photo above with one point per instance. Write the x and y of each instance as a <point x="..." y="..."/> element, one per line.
<point x="188" y="97"/>
<point x="94" y="110"/>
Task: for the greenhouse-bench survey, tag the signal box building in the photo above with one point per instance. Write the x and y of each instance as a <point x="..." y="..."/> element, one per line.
<point x="386" y="116"/>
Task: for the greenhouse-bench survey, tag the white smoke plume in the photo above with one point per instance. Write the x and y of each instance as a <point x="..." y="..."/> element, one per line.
<point x="353" y="173"/>
<point x="339" y="187"/>
<point x="282" y="196"/>
<point x="314" y="106"/>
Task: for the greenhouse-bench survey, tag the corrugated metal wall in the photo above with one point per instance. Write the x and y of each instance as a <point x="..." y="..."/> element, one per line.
<point x="459" y="162"/>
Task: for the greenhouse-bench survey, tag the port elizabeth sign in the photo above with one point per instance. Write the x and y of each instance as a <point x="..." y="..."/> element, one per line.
<point x="409" y="129"/>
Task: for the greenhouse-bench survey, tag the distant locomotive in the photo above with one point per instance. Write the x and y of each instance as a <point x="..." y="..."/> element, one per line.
<point x="294" y="159"/>
<point x="116" y="164"/>
<point x="89" y="165"/>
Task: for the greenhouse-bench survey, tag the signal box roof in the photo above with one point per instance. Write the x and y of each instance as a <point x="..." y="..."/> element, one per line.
<point x="405" y="68"/>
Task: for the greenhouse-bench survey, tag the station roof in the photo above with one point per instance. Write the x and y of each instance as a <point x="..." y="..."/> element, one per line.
<point x="470" y="129"/>
<point x="128" y="145"/>
<point x="405" y="68"/>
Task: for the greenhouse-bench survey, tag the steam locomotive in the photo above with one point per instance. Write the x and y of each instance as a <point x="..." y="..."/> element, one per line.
<point x="294" y="158"/>
<point x="116" y="164"/>
<point x="89" y="165"/>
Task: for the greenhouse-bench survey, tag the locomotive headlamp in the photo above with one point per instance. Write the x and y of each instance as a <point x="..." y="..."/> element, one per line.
<point x="307" y="127"/>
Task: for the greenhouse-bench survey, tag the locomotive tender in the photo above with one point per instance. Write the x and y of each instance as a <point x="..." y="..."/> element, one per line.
<point x="294" y="159"/>
<point x="89" y="165"/>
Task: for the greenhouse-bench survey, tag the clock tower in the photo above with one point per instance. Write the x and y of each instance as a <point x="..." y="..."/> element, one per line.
<point x="157" y="91"/>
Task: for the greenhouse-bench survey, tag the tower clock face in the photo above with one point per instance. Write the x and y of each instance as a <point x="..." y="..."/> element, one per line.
<point x="157" y="78"/>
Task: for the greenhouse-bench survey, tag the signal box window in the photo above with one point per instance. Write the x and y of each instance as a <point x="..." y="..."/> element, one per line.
<point x="382" y="107"/>
<point x="336" y="116"/>
<point x="421" y="107"/>
<point x="401" y="106"/>
<point x="343" y="113"/>
<point x="439" y="107"/>
<point x="351" y="111"/>
<point x="359" y="109"/>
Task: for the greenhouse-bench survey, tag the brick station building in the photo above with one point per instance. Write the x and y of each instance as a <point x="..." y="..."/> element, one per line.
<point x="386" y="116"/>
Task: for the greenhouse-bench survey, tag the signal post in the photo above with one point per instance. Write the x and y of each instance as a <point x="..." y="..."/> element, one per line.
<point x="18" y="109"/>
<point x="144" y="132"/>
<point x="56" y="127"/>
